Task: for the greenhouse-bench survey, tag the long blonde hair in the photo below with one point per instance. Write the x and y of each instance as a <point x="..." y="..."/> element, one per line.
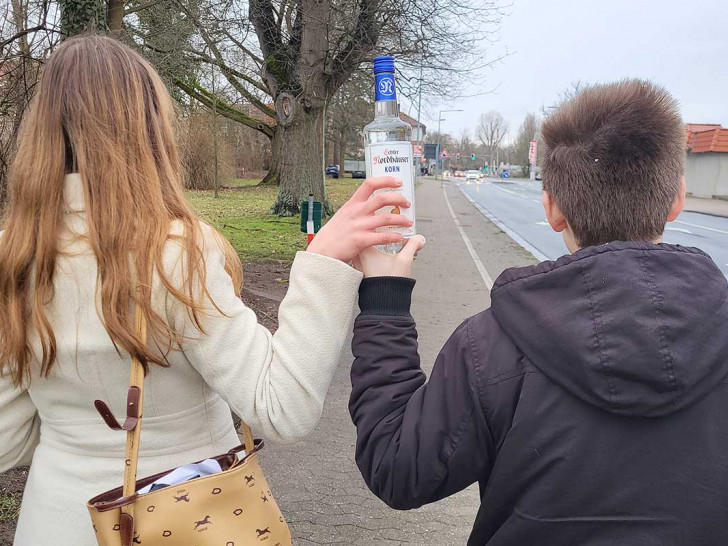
<point x="101" y="110"/>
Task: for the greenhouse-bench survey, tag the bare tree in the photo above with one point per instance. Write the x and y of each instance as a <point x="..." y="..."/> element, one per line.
<point x="521" y="147"/>
<point x="349" y="110"/>
<point x="288" y="59"/>
<point x="565" y="96"/>
<point x="492" y="128"/>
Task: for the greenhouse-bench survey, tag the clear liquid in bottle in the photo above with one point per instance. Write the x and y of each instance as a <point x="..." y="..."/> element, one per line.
<point x="388" y="147"/>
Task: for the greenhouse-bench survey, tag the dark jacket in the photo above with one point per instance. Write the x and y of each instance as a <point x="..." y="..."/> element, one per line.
<point x="590" y="401"/>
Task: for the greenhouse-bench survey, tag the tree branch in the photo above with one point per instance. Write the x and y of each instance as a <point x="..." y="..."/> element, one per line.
<point x="141" y="7"/>
<point x="364" y="38"/>
<point x="22" y="33"/>
<point x="263" y="19"/>
<point x="224" y="66"/>
<point x="244" y="49"/>
<point x="297" y="30"/>
<point x="206" y="98"/>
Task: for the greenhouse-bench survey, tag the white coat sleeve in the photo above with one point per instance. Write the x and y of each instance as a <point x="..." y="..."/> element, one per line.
<point x="19" y="426"/>
<point x="276" y="383"/>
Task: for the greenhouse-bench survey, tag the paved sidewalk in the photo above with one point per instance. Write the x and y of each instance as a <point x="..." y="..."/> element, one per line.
<point x="317" y="482"/>
<point x="714" y="207"/>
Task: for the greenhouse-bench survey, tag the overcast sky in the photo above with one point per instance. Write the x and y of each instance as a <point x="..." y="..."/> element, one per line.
<point x="680" y="44"/>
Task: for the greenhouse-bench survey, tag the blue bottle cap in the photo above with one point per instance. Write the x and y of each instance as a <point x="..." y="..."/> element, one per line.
<point x="384" y="65"/>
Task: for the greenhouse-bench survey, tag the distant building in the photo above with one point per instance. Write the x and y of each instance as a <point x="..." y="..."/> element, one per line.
<point x="418" y="129"/>
<point x="706" y="167"/>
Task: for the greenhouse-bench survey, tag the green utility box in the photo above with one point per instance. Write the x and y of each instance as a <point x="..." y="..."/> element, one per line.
<point x="317" y="209"/>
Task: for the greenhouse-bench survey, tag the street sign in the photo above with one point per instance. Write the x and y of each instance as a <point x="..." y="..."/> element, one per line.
<point x="417" y="149"/>
<point x="444" y="154"/>
<point x="431" y="151"/>
<point x="457" y="155"/>
<point x="533" y="152"/>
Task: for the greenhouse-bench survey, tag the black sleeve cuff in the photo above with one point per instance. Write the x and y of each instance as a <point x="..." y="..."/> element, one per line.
<point x="389" y="296"/>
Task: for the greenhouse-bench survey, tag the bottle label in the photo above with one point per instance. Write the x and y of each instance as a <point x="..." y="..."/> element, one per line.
<point x="394" y="159"/>
<point x="385" y="89"/>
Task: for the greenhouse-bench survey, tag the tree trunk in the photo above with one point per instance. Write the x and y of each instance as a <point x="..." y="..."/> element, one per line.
<point x="273" y="178"/>
<point x="115" y="16"/>
<point x="342" y="151"/>
<point x="300" y="160"/>
<point x="79" y="16"/>
<point x="335" y="155"/>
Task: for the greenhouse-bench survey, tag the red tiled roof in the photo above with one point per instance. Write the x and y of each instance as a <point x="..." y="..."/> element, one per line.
<point x="698" y="127"/>
<point x="409" y="119"/>
<point x="704" y="137"/>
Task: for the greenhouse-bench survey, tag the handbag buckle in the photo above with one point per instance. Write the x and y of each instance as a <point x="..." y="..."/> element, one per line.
<point x="132" y="411"/>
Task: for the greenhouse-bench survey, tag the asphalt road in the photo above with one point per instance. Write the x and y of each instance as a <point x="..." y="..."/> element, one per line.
<point x="516" y="207"/>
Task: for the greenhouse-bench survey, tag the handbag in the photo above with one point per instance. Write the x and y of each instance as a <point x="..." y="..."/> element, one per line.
<point x="230" y="508"/>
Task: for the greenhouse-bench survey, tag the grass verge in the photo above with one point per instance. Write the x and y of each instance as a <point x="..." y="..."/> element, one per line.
<point x="241" y="214"/>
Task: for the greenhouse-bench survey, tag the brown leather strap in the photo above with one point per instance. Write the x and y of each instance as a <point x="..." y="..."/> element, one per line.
<point x="133" y="427"/>
<point x="135" y="409"/>
<point x="248" y="439"/>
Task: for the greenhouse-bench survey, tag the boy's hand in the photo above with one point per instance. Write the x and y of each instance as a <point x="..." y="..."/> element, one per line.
<point x="352" y="228"/>
<point x="374" y="263"/>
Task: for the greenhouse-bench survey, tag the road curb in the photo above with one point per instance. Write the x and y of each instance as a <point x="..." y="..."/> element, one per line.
<point x="528" y="247"/>
<point x="713" y="214"/>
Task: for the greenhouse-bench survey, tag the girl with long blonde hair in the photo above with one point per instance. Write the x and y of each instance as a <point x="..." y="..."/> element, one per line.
<point x="97" y="226"/>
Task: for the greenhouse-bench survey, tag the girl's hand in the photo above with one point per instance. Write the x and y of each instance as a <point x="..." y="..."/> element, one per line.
<point x="352" y="228"/>
<point x="374" y="263"/>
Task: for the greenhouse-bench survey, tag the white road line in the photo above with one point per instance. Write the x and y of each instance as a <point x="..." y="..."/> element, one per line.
<point x="509" y="191"/>
<point x="701" y="227"/>
<point x="681" y="230"/>
<point x="478" y="263"/>
<point x="540" y="256"/>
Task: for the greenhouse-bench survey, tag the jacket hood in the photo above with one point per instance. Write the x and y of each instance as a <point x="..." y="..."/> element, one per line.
<point x="636" y="329"/>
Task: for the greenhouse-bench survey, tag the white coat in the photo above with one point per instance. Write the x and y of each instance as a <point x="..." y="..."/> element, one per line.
<point x="277" y="383"/>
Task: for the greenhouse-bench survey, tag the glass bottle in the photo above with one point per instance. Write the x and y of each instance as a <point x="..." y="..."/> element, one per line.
<point x="388" y="147"/>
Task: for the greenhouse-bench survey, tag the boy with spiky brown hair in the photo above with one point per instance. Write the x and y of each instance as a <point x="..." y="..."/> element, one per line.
<point x="590" y="401"/>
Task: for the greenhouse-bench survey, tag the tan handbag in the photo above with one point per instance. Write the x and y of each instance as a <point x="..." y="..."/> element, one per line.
<point x="231" y="508"/>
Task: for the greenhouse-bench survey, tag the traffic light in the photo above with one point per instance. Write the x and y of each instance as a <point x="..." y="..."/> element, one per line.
<point x="472" y="157"/>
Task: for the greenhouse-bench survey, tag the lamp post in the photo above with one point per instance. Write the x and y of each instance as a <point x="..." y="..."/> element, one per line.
<point x="440" y="119"/>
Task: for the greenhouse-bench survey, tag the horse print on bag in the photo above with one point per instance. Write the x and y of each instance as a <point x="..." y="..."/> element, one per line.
<point x="262" y="532"/>
<point x="202" y="522"/>
<point x="136" y="540"/>
<point x="250" y="481"/>
<point x="181" y="498"/>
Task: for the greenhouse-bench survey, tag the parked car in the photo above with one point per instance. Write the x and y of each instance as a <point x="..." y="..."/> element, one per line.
<point x="358" y="174"/>
<point x="333" y="171"/>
